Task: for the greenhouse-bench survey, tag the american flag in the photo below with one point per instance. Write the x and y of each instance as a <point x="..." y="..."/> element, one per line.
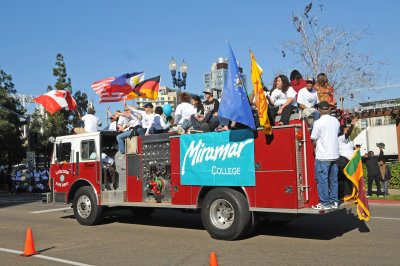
<point x="100" y="86"/>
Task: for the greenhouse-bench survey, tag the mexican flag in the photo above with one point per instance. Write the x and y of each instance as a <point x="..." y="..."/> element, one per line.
<point x="354" y="173"/>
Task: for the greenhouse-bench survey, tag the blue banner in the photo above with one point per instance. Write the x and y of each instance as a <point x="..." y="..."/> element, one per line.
<point x="218" y="158"/>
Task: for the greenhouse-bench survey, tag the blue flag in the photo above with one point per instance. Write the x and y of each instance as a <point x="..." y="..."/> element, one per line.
<point x="234" y="102"/>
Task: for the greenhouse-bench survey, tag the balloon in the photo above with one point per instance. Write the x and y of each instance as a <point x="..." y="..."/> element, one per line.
<point x="167" y="109"/>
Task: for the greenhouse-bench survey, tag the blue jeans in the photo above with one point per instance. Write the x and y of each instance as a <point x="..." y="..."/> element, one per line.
<point x="326" y="175"/>
<point x="186" y="124"/>
<point x="223" y="121"/>
<point x="121" y="140"/>
<point x="141" y="131"/>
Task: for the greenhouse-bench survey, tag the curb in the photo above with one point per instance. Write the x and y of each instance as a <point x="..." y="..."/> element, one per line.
<point x="384" y="201"/>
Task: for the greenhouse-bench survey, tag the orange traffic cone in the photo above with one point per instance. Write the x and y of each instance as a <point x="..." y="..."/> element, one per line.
<point x="29" y="246"/>
<point x="213" y="259"/>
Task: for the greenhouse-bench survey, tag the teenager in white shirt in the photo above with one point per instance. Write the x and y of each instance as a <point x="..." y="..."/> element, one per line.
<point x="346" y="152"/>
<point x="157" y="125"/>
<point x="325" y="140"/>
<point x="146" y="117"/>
<point x="184" y="110"/>
<point x="283" y="101"/>
<point x="307" y="100"/>
<point x="127" y="122"/>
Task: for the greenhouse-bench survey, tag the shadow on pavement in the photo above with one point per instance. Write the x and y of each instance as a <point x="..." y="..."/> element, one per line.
<point x="10" y="200"/>
<point x="321" y="227"/>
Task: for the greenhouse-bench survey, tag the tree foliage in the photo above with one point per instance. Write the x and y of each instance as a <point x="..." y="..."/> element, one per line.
<point x="329" y="49"/>
<point x="11" y="143"/>
<point x="61" y="122"/>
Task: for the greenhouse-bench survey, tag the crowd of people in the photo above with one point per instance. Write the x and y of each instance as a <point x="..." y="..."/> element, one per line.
<point x="22" y="181"/>
<point x="312" y="98"/>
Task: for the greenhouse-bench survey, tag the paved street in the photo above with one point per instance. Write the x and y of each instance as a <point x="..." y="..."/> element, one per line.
<point x="171" y="237"/>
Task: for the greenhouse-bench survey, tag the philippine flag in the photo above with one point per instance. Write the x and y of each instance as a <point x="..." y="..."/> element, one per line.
<point x="55" y="100"/>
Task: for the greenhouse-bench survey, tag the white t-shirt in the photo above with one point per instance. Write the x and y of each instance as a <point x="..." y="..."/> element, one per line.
<point x="185" y="110"/>
<point x="135" y="121"/>
<point x="91" y="122"/>
<point x="113" y="126"/>
<point x="325" y="132"/>
<point x="280" y="98"/>
<point x="307" y="98"/>
<point x="122" y="121"/>
<point x="146" y="118"/>
<point x="345" y="147"/>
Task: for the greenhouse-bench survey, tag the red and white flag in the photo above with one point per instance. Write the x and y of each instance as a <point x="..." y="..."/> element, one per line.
<point x="55" y="100"/>
<point x="100" y="86"/>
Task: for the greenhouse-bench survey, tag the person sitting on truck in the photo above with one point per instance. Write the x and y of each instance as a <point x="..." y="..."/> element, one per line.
<point x="196" y="119"/>
<point x="296" y="81"/>
<point x="325" y="90"/>
<point x="282" y="101"/>
<point x="307" y="100"/>
<point x="109" y="173"/>
<point x="114" y="118"/>
<point x="210" y="106"/>
<point x="183" y="111"/>
<point x="371" y="161"/>
<point x="346" y="152"/>
<point x="324" y="136"/>
<point x="90" y="120"/>
<point x="127" y="122"/>
<point x="146" y="117"/>
<point x="157" y="125"/>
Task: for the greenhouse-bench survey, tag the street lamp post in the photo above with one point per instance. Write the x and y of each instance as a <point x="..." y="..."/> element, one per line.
<point x="178" y="81"/>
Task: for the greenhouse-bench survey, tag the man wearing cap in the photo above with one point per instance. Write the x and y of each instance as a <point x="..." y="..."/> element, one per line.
<point x="211" y="106"/>
<point x="307" y="100"/>
<point x="325" y="140"/>
<point x="147" y="117"/>
<point x="90" y="120"/>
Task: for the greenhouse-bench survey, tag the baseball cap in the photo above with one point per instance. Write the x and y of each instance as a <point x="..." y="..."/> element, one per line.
<point x="310" y="79"/>
<point x="208" y="90"/>
<point x="148" y="105"/>
<point x="324" y="105"/>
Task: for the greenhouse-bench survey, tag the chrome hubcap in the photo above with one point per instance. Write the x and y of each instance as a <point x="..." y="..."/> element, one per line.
<point x="84" y="206"/>
<point x="222" y="214"/>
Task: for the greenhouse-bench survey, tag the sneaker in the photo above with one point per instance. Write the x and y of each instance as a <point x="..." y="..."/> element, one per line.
<point x="122" y="156"/>
<point x="335" y="205"/>
<point x="319" y="206"/>
<point x="381" y="196"/>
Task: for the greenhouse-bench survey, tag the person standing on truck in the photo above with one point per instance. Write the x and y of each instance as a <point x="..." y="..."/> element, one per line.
<point x="325" y="140"/>
<point x="371" y="161"/>
<point x="346" y="152"/>
<point x="90" y="120"/>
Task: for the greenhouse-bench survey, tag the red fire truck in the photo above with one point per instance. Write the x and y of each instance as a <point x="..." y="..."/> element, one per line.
<point x="149" y="177"/>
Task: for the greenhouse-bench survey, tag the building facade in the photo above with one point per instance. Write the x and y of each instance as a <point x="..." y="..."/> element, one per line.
<point x="379" y="120"/>
<point x="165" y="96"/>
<point x="215" y="79"/>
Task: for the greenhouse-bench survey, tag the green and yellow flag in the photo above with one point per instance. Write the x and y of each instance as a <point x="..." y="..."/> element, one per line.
<point x="354" y="172"/>
<point x="261" y="101"/>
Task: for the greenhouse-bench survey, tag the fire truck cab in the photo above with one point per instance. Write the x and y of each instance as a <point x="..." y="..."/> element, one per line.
<point x="149" y="177"/>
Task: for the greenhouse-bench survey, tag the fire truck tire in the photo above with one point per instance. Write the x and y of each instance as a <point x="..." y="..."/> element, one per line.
<point x="141" y="212"/>
<point x="225" y="214"/>
<point x="86" y="210"/>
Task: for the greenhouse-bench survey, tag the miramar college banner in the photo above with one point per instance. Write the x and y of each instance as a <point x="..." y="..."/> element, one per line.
<point x="218" y="158"/>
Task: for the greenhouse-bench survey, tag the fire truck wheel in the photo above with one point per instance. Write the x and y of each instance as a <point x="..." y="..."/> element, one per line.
<point x="225" y="213"/>
<point x="141" y="212"/>
<point x="86" y="210"/>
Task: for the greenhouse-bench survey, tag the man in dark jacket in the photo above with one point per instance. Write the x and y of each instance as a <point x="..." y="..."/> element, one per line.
<point x="371" y="161"/>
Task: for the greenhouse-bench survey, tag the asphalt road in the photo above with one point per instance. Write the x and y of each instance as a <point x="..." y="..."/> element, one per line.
<point x="172" y="237"/>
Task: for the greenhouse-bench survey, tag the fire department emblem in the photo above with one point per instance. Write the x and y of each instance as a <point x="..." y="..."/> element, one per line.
<point x="62" y="178"/>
